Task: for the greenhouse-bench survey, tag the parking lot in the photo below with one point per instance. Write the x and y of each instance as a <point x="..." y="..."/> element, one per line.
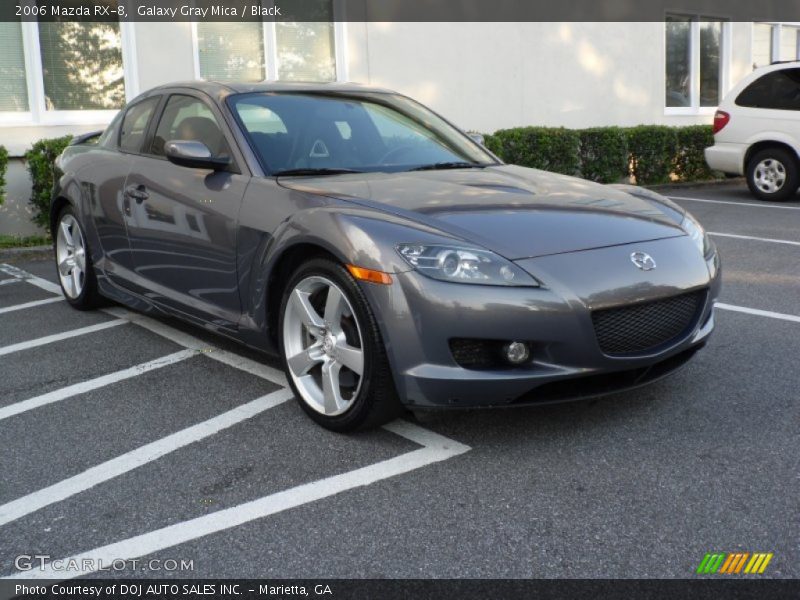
<point x="125" y="436"/>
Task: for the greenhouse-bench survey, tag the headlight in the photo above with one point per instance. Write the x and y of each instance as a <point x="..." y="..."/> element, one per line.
<point x="464" y="265"/>
<point x="697" y="234"/>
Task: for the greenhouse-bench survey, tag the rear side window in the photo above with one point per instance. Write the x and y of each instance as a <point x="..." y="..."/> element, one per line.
<point x="777" y="90"/>
<point x="134" y="124"/>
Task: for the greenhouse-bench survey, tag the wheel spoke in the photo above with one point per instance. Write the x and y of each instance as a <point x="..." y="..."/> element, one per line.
<point x="330" y="387"/>
<point x="67" y="234"/>
<point x="301" y="362"/>
<point x="76" y="280"/>
<point x="334" y="305"/>
<point x="351" y="357"/>
<point x="80" y="259"/>
<point x="308" y="315"/>
<point x="64" y="266"/>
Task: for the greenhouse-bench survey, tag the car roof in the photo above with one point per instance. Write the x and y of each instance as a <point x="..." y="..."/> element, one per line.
<point x="220" y="90"/>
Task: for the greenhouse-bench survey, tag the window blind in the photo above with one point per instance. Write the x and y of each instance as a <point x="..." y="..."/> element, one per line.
<point x="305" y="51"/>
<point x="231" y="51"/>
<point x="82" y="66"/>
<point x="14" y="90"/>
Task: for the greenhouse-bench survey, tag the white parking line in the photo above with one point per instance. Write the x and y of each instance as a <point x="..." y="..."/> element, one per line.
<point x="49" y="339"/>
<point x="189" y="341"/>
<point x="92" y="384"/>
<point x="757" y="312"/>
<point x="48" y="286"/>
<point x="756" y="239"/>
<point x="34" y="303"/>
<point x="436" y="448"/>
<point x="12" y="280"/>
<point x="171" y="333"/>
<point x="753" y="204"/>
<point x="136" y="458"/>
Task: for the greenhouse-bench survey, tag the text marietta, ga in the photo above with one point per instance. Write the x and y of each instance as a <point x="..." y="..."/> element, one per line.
<point x="159" y="590"/>
<point x="217" y="10"/>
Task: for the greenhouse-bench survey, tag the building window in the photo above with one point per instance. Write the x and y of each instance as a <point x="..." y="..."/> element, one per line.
<point x="305" y="51"/>
<point x="695" y="57"/>
<point x="231" y="51"/>
<point x="14" y="91"/>
<point x="64" y="73"/>
<point x="82" y="66"/>
<point x="289" y="51"/>
<point x="773" y="42"/>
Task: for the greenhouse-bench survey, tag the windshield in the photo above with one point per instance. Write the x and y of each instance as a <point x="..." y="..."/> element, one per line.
<point x="308" y="133"/>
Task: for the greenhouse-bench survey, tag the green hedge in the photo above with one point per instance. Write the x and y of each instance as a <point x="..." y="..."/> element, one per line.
<point x="40" y="160"/>
<point x="547" y="148"/>
<point x="649" y="153"/>
<point x="604" y="154"/>
<point x="3" y="169"/>
<point x="690" y="162"/>
<point x="652" y="149"/>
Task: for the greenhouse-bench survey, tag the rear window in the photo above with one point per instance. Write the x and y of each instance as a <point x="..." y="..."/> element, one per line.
<point x="777" y="90"/>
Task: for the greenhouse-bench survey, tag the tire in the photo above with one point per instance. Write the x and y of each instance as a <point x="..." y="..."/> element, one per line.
<point x="324" y="342"/>
<point x="772" y="174"/>
<point x="76" y="274"/>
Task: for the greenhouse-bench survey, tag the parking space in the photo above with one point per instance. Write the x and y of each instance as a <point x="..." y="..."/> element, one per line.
<point x="128" y="436"/>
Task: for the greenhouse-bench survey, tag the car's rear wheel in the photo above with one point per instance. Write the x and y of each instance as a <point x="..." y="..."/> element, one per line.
<point x="772" y="174"/>
<point x="332" y="350"/>
<point x="74" y="262"/>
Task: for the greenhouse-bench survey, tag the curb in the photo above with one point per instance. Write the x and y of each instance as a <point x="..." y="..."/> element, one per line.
<point x="26" y="252"/>
<point x="697" y="184"/>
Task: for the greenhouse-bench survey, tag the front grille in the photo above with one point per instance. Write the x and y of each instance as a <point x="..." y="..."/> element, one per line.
<point x="644" y="327"/>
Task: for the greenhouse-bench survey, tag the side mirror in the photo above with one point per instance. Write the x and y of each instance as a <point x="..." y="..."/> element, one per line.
<point x="476" y="137"/>
<point x="195" y="155"/>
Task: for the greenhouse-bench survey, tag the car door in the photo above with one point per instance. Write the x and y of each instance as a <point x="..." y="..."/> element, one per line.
<point x="104" y="185"/>
<point x="183" y="223"/>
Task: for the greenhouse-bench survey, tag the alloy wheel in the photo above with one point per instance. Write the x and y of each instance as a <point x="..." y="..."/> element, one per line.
<point x="323" y="345"/>
<point x="71" y="256"/>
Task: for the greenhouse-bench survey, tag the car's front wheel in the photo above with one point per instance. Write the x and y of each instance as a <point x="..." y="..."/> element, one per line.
<point x="332" y="350"/>
<point x="772" y="174"/>
<point x="74" y="262"/>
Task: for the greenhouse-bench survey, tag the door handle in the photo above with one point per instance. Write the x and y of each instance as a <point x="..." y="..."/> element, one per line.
<point x="137" y="192"/>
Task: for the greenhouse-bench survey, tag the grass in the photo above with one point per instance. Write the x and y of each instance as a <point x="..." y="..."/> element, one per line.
<point x="15" y="241"/>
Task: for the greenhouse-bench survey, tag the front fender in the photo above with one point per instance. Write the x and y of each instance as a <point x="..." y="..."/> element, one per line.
<point x="352" y="234"/>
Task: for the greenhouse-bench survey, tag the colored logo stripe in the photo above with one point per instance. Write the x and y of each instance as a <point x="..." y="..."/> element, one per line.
<point x="711" y="563"/>
<point x="758" y="563"/>
<point x="733" y="562"/>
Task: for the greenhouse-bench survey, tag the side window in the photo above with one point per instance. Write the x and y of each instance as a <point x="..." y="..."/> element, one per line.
<point x="190" y="119"/>
<point x="134" y="124"/>
<point x="777" y="90"/>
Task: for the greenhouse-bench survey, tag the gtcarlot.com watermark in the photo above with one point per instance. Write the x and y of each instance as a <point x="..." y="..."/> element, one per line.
<point x="32" y="562"/>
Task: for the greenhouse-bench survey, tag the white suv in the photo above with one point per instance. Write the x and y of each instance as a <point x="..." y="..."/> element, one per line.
<point x="757" y="132"/>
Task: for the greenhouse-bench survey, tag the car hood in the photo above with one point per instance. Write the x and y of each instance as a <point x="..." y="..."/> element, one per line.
<point x="515" y="211"/>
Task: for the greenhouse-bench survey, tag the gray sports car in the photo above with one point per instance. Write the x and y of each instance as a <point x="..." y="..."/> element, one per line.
<point x="389" y="259"/>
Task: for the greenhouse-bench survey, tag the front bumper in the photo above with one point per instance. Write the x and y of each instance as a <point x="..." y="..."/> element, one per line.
<point x="418" y="317"/>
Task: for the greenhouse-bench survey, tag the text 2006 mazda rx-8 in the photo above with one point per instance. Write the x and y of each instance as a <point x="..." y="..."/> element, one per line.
<point x="389" y="259"/>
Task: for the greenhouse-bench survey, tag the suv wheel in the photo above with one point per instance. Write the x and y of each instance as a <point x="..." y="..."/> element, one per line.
<point x="772" y="174"/>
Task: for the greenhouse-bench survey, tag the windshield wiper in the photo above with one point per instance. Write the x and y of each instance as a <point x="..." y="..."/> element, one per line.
<point x="449" y="165"/>
<point x="309" y="171"/>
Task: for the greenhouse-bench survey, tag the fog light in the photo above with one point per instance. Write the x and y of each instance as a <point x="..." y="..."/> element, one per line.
<point x="516" y="352"/>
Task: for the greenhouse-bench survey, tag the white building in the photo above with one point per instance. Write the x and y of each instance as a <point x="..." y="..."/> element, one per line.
<point x="59" y="78"/>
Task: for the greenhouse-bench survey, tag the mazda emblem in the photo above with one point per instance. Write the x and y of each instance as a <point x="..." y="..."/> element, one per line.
<point x="643" y="261"/>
